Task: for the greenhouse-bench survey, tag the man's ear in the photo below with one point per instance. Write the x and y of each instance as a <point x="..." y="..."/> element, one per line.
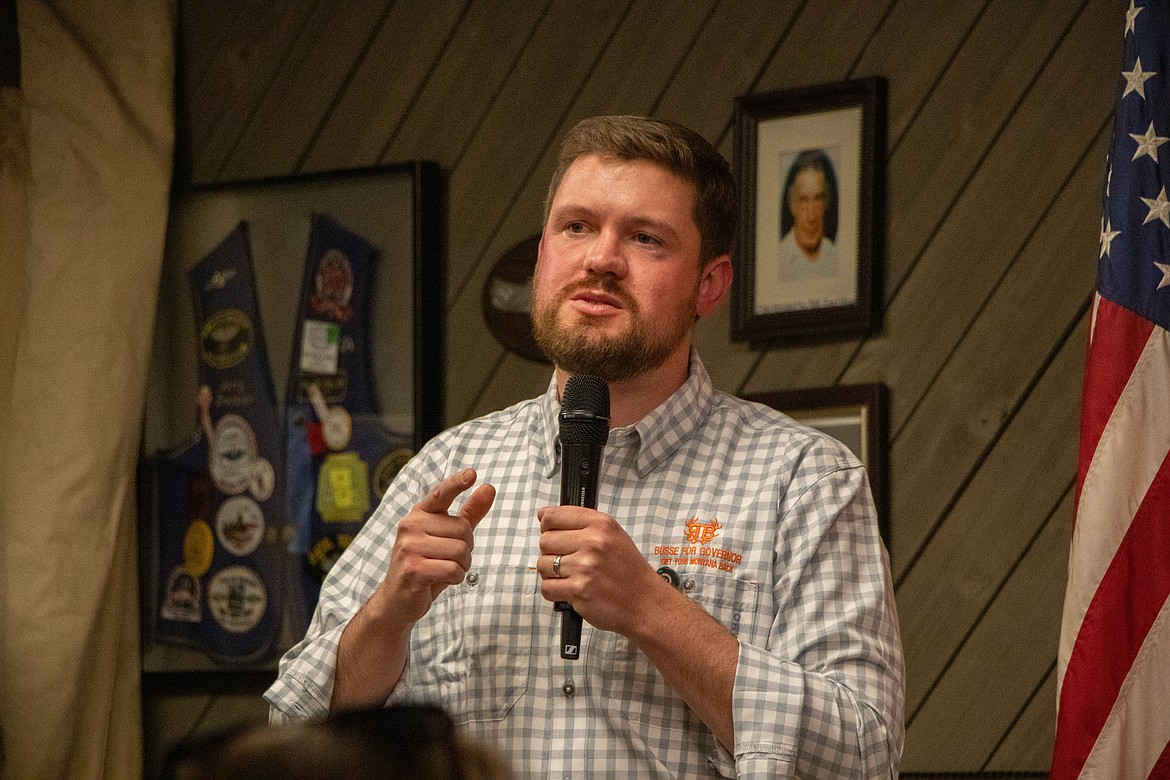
<point x="713" y="285"/>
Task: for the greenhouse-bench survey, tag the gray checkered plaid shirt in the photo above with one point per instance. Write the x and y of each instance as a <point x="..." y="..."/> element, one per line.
<point x="769" y="526"/>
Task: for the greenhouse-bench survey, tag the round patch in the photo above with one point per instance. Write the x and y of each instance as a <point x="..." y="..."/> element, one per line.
<point x="226" y="338"/>
<point x="236" y="599"/>
<point x="388" y="468"/>
<point x="263" y="480"/>
<point x="239" y="525"/>
<point x="233" y="454"/>
<point x="198" y="548"/>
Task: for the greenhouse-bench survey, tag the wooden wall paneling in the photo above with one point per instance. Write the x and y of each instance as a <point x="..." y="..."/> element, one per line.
<point x="650" y="43"/>
<point x="1029" y="743"/>
<point x="999" y="666"/>
<point x="522" y="121"/>
<point x="318" y="66"/>
<point x="239" y="75"/>
<point x="952" y="130"/>
<point x="460" y="90"/>
<point x="1062" y="114"/>
<point x="726" y="59"/>
<point x="1011" y="494"/>
<point x="203" y="28"/>
<point x="941" y="148"/>
<point x="375" y="102"/>
<point x="824" y="44"/>
<point x="915" y="44"/>
<point x="979" y="384"/>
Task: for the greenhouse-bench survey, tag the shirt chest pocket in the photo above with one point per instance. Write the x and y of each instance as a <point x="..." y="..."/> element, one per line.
<point x="470" y="652"/>
<point x="626" y="675"/>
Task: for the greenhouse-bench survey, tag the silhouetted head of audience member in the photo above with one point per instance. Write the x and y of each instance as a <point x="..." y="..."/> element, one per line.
<point x="396" y="743"/>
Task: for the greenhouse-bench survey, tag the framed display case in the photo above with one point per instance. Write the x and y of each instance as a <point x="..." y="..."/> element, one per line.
<point x="271" y="229"/>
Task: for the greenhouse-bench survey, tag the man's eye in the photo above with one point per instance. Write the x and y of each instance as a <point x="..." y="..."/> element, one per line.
<point x="574" y="227"/>
<point x="646" y="238"/>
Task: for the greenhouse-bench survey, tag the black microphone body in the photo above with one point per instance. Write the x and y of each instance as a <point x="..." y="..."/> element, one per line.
<point x="584" y="428"/>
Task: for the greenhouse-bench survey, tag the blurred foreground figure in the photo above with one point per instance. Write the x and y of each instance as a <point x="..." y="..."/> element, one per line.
<point x="397" y="743"/>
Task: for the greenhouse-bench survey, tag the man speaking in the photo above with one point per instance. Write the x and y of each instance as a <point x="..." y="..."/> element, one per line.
<point x="738" y="614"/>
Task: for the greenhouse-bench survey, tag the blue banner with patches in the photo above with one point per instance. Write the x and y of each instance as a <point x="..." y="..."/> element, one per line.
<point x="341" y="456"/>
<point x="222" y="531"/>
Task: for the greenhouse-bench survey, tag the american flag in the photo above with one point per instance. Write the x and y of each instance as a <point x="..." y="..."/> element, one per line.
<point x="1113" y="668"/>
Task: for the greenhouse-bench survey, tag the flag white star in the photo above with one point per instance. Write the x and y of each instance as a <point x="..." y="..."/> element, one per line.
<point x="1135" y="80"/>
<point x="1159" y="208"/>
<point x="1107" y="236"/>
<point x="1165" y="269"/>
<point x="1130" y="15"/>
<point x="1148" y="144"/>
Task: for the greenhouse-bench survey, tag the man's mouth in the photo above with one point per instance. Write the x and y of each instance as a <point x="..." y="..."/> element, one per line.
<point x="596" y="298"/>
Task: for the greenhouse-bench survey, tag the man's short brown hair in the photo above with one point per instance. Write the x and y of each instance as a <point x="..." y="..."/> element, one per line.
<point x="676" y="148"/>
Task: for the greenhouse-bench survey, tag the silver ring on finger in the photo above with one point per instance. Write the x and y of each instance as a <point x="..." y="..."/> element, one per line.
<point x="557" y="567"/>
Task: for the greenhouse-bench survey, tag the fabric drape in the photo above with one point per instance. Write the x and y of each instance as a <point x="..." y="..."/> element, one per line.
<point x="85" y="161"/>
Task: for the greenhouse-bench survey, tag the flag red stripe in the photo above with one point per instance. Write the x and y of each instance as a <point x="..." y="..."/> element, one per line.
<point x="1119" y="336"/>
<point x="1118" y="618"/>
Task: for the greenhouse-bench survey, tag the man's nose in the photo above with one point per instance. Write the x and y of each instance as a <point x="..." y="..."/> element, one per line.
<point x="605" y="255"/>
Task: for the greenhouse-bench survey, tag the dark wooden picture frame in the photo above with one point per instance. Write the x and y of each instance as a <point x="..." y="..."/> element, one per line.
<point x="783" y="141"/>
<point x="856" y="415"/>
<point x="399" y="210"/>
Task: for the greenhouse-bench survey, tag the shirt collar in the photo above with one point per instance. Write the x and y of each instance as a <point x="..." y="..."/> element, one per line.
<point x="657" y="435"/>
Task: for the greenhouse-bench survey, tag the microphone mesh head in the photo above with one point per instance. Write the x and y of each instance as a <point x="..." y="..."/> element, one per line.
<point x="585" y="410"/>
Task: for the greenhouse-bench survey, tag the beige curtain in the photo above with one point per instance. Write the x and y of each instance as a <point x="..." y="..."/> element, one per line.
<point x="85" y="159"/>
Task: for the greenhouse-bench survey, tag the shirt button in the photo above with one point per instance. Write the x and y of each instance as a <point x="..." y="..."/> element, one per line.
<point x="473" y="578"/>
<point x="689" y="584"/>
<point x="568" y="689"/>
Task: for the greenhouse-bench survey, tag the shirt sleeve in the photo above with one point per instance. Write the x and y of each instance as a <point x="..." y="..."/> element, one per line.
<point x="304" y="682"/>
<point x="824" y="695"/>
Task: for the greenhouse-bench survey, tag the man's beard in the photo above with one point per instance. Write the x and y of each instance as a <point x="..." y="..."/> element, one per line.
<point x="581" y="349"/>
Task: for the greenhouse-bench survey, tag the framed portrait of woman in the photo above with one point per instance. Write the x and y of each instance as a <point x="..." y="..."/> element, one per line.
<point x="810" y="167"/>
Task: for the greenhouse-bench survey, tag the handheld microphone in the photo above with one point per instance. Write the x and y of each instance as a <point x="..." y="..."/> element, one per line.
<point x="584" y="428"/>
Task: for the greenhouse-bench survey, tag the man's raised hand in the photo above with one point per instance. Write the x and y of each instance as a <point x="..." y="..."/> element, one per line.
<point x="433" y="548"/>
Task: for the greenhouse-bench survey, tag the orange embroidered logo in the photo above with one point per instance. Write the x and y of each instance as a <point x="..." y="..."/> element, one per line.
<point x="702" y="533"/>
<point x="699" y="552"/>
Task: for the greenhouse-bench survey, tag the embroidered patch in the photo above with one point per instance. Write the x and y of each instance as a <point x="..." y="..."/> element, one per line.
<point x="237" y="599"/>
<point x="226" y="338"/>
<point x="699" y="551"/>
<point x="181" y="601"/>
<point x="239" y="525"/>
<point x="233" y="454"/>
